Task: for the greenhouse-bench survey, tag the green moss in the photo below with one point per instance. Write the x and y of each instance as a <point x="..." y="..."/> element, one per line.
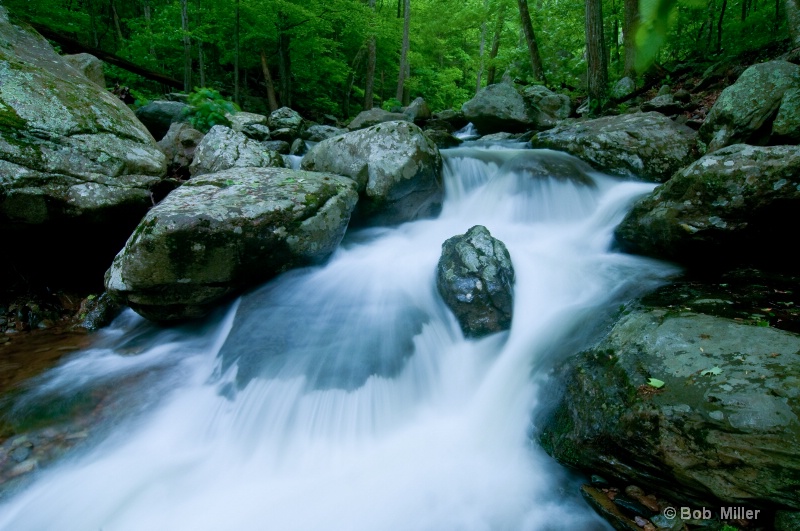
<point x="9" y="119"/>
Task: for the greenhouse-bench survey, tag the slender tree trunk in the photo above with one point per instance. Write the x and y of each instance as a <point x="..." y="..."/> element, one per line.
<point x="148" y="19"/>
<point x="117" y="27"/>
<point x="719" y="25"/>
<point x="615" y="33"/>
<point x="284" y="63"/>
<point x="369" y="82"/>
<point x="403" y="70"/>
<point x="792" y="18"/>
<point x="595" y="55"/>
<point x="351" y="79"/>
<point x="710" y="22"/>
<point x="630" y="24"/>
<point x="201" y="64"/>
<point x="530" y="39"/>
<point x="498" y="30"/>
<point x="93" y="24"/>
<point x="236" y="54"/>
<point x="273" y="102"/>
<point x="481" y="48"/>
<point x="187" y="47"/>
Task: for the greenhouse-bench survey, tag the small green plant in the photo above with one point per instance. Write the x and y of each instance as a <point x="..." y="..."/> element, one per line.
<point x="208" y="108"/>
<point x="391" y="105"/>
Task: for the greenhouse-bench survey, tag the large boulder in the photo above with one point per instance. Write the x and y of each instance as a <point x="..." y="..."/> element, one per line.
<point x="418" y="111"/>
<point x="179" y="146"/>
<point x="498" y="108"/>
<point x="221" y="233"/>
<point x="88" y="65"/>
<point x="223" y="148"/>
<point x="76" y="166"/>
<point x="739" y="202"/>
<point x="760" y="108"/>
<point x="648" y="146"/>
<point x="718" y="425"/>
<point x="250" y="124"/>
<point x="397" y="169"/>
<point x="157" y="116"/>
<point x="318" y="133"/>
<point x="374" y="116"/>
<point x="545" y="107"/>
<point x="285" y="124"/>
<point x="475" y="278"/>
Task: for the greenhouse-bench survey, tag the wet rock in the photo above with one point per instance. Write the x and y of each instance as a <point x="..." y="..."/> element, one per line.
<point x="632" y="507"/>
<point x="375" y="116"/>
<point x="279" y="146"/>
<point x="221" y="233"/>
<point x="179" y="146"/>
<point x="88" y="65"/>
<point x="223" y="148"/>
<point x="158" y="116"/>
<point x="606" y="508"/>
<point x="442" y="139"/>
<point x="649" y="146"/>
<point x="298" y="148"/>
<point x="288" y="122"/>
<point x="456" y="119"/>
<point x="97" y="312"/>
<point x="397" y="169"/>
<point x="418" y="111"/>
<point x="545" y="107"/>
<point x="736" y="203"/>
<point x="475" y="278"/>
<point x="744" y="111"/>
<point x="599" y="482"/>
<point x="498" y="108"/>
<point x="318" y="133"/>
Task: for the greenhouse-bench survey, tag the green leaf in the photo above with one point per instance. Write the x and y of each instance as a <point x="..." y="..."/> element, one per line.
<point x="654" y="382"/>
<point x="714" y="371"/>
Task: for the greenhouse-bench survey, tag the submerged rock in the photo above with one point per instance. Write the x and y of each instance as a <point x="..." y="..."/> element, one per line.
<point x="475" y="278"/>
<point x="649" y="146"/>
<point x="223" y="148"/>
<point x="738" y="203"/>
<point x="220" y="233"/>
<point x="397" y="169"/>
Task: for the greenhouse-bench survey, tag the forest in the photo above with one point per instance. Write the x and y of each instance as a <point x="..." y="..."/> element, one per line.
<point x="338" y="57"/>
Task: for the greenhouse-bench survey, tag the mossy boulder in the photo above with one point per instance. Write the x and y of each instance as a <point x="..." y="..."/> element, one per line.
<point x="647" y="146"/>
<point x="397" y="169"/>
<point x="223" y="148"/>
<point x="221" y="233"/>
<point x="760" y="108"/>
<point x="88" y="65"/>
<point x="722" y="429"/>
<point x="76" y="166"/>
<point x="737" y="203"/>
<point x="475" y="278"/>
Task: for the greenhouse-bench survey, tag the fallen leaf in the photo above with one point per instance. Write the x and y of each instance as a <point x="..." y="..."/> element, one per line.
<point x="654" y="382"/>
<point x="715" y="371"/>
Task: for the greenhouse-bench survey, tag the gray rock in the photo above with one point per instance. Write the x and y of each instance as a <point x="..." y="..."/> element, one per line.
<point x="298" y="147"/>
<point x="736" y="202"/>
<point x="179" y="145"/>
<point x="649" y="146"/>
<point x="318" y="133"/>
<point x="223" y="148"/>
<point x="664" y="104"/>
<point x="442" y="139"/>
<point x="623" y="87"/>
<point x="258" y="132"/>
<point x="418" y="111"/>
<point x="98" y="312"/>
<point x="244" y="122"/>
<point x="281" y="146"/>
<point x="88" y="65"/>
<point x="218" y="234"/>
<point x="497" y="137"/>
<point x="724" y="426"/>
<point x="285" y="118"/>
<point x="475" y="278"/>
<point x="545" y="107"/>
<point x="456" y="119"/>
<point x="498" y="108"/>
<point x="665" y="90"/>
<point x="397" y="169"/>
<point x="743" y="111"/>
<point x="374" y="116"/>
<point x="158" y="115"/>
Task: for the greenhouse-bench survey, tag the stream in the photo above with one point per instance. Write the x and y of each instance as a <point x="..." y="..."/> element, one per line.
<point x="344" y="397"/>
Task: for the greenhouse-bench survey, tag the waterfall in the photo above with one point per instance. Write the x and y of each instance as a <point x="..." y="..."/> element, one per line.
<point x="344" y="397"/>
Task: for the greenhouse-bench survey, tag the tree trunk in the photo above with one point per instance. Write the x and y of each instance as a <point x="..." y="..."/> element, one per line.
<point x="273" y="102"/>
<point x="615" y="33"/>
<point x="351" y="78"/>
<point x="201" y="64"/>
<point x="369" y="82"/>
<point x="117" y="27"/>
<point x="148" y="19"/>
<point x="285" y="65"/>
<point x="498" y="30"/>
<point x="404" y="68"/>
<point x="187" y="47"/>
<point x="236" y="55"/>
<point x="793" y="19"/>
<point x="710" y="23"/>
<point x="595" y="55"/>
<point x="530" y="39"/>
<point x="630" y="24"/>
<point x="719" y="25"/>
<point x="481" y="48"/>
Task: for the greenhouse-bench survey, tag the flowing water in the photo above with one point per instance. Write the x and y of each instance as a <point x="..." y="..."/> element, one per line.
<point x="345" y="397"/>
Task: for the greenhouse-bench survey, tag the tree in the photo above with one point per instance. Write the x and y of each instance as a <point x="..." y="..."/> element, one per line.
<point x="403" y="71"/>
<point x="530" y="39"/>
<point x="187" y="47"/>
<point x="596" y="55"/>
<point x="498" y="30"/>
<point x="793" y="19"/>
<point x="630" y="23"/>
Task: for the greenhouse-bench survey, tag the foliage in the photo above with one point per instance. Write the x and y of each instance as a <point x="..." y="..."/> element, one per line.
<point x="208" y="108"/>
<point x="391" y="105"/>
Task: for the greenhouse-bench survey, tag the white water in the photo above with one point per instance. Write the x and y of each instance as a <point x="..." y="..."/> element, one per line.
<point x="345" y="397"/>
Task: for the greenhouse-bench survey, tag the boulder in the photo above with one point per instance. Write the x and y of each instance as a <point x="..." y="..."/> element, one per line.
<point x="223" y="148"/>
<point x="179" y="146"/>
<point x="318" y="133"/>
<point x="281" y="146"/>
<point x="76" y="166"/>
<point x="88" y="65"/>
<point x="475" y="278"/>
<point x="746" y="112"/>
<point x="374" y="116"/>
<point x="418" y="111"/>
<point x="736" y="203"/>
<point x="719" y="426"/>
<point x="664" y="104"/>
<point x="298" y="147"/>
<point x="622" y="88"/>
<point x="442" y="139"/>
<point x="648" y="146"/>
<point x="498" y="108"/>
<point x="285" y="124"/>
<point x="219" y="234"/>
<point x="545" y="107"/>
<point x="158" y="115"/>
<point x="497" y="137"/>
<point x="250" y="124"/>
<point x="397" y="169"/>
<point x="456" y="119"/>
